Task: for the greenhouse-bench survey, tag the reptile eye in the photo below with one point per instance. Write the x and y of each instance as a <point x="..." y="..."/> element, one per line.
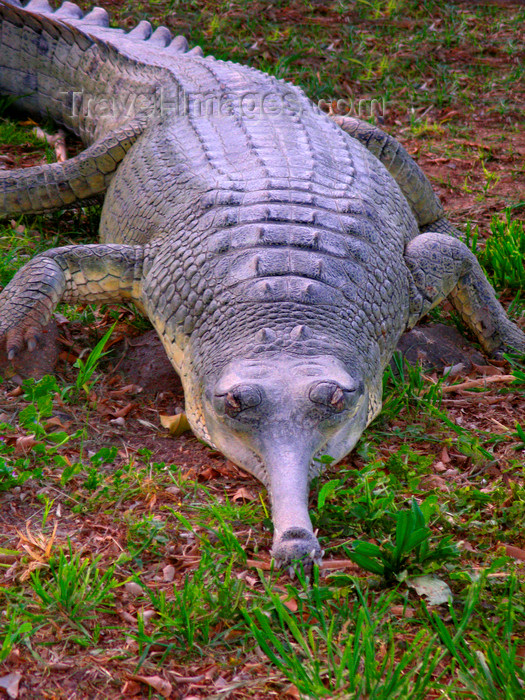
<point x="238" y="398"/>
<point x="332" y="395"/>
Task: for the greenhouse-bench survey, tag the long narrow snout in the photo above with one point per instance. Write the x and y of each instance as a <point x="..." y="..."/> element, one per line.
<point x="288" y="469"/>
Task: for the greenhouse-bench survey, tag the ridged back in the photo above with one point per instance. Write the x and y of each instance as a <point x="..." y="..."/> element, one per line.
<point x="78" y="70"/>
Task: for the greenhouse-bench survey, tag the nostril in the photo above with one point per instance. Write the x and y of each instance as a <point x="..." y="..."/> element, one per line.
<point x="296" y="533"/>
<point x="296" y="543"/>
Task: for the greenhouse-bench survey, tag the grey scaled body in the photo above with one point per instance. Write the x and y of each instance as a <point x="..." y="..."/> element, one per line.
<point x="278" y="252"/>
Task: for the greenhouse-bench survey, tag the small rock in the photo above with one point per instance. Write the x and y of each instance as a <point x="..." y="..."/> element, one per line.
<point x="168" y="573"/>
<point x="436" y="346"/>
<point x="147" y="615"/>
<point x="133" y="588"/>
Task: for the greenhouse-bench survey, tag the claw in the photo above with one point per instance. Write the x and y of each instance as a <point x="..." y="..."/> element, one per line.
<point x="31" y="344"/>
<point x="291" y="572"/>
<point x="12" y="353"/>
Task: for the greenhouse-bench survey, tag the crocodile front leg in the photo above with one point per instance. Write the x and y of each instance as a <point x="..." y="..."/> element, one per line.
<point x="443" y="266"/>
<point x="98" y="273"/>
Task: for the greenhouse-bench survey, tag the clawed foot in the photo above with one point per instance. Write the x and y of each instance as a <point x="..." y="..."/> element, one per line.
<point x="18" y="339"/>
<point x="32" y="352"/>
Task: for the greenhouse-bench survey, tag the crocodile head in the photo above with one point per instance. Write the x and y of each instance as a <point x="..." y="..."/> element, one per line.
<point x="274" y="415"/>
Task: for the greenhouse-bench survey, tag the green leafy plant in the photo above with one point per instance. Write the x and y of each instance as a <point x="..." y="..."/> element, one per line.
<point x="186" y="617"/>
<point x="488" y="669"/>
<point x="15" y="471"/>
<point x="86" y="369"/>
<point x="502" y="257"/>
<point x="362" y="500"/>
<point x="412" y="540"/>
<point x="12" y="632"/>
<point x="520" y="435"/>
<point x="405" y="386"/>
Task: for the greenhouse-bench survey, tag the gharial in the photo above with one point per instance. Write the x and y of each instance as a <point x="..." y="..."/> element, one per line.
<point x="279" y="252"/>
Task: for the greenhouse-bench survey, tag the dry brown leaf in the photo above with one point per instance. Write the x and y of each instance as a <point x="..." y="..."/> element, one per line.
<point x="243" y="493"/>
<point x="176" y="425"/>
<point x="229" y="635"/>
<point x="39" y="549"/>
<point x="477" y="383"/>
<point x="24" y="444"/>
<point x="127" y="617"/>
<point x="162" y="687"/>
<point x="434" y="482"/>
<point x="402" y="611"/>
<point x="292" y="692"/>
<point x="10" y="684"/>
<point x="123" y="412"/>
<point x="135" y="388"/>
<point x="131" y="688"/>
<point x="488" y="370"/>
<point x="266" y="565"/>
<point x="55" y="422"/>
<point x="515" y="552"/>
<point x="133" y="588"/>
<point x="9" y="558"/>
<point x="291" y="604"/>
<point x="338" y="564"/>
<point x="147" y="615"/>
<point x="37" y="541"/>
<point x="69" y="357"/>
<point x="209" y="474"/>
<point x="259" y="564"/>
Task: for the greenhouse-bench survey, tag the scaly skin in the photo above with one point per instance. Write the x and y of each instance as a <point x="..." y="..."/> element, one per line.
<point x="276" y="256"/>
<point x="59" y="185"/>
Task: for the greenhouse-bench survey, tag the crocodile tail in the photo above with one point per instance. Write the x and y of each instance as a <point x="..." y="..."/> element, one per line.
<point x="79" y="71"/>
<point x="95" y="80"/>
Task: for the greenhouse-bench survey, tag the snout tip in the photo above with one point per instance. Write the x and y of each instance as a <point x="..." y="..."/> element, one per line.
<point x="296" y="544"/>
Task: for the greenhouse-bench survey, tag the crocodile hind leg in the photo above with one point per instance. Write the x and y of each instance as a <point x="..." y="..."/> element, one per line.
<point x="412" y="181"/>
<point x="99" y="273"/>
<point x="43" y="188"/>
<point x="442" y="266"/>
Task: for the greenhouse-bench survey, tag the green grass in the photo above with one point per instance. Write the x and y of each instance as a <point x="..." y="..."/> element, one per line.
<point x="504" y="252"/>
<point x="338" y="636"/>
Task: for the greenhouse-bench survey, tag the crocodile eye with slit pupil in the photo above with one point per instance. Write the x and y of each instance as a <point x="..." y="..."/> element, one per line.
<point x="338" y="399"/>
<point x="231" y="405"/>
<point x="239" y="398"/>
<point x="330" y="394"/>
